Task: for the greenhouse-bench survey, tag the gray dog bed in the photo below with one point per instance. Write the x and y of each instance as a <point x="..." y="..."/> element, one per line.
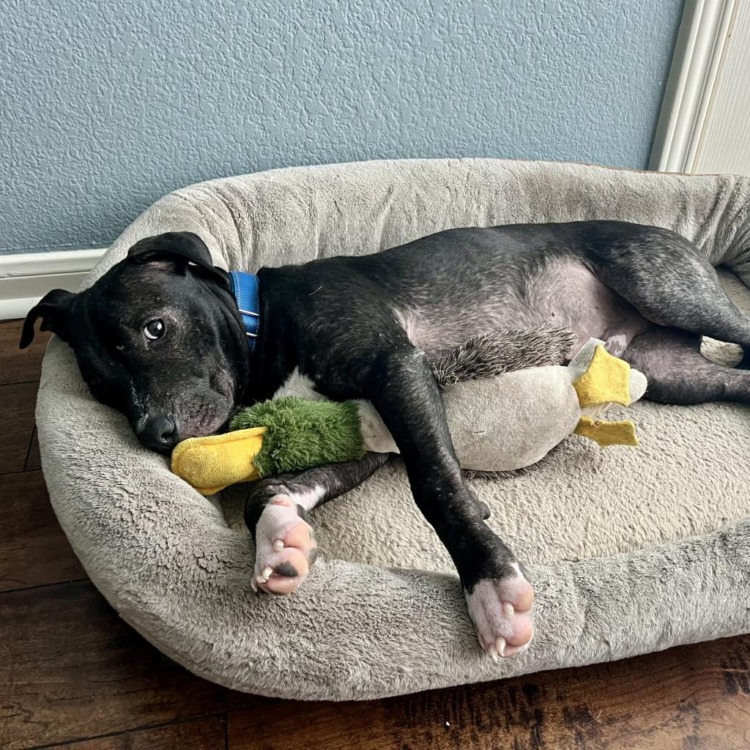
<point x="630" y="550"/>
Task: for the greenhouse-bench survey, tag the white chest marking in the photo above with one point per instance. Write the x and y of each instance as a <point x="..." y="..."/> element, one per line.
<point x="300" y="386"/>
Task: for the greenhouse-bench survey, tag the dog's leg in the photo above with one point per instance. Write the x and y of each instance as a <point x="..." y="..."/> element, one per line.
<point x="276" y="513"/>
<point x="679" y="374"/>
<point x="672" y="285"/>
<point x="402" y="388"/>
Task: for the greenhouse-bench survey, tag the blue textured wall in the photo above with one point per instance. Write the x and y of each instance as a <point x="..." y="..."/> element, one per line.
<point x="107" y="105"/>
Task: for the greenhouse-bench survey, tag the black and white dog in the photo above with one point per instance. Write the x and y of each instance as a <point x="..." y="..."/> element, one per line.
<point x="161" y="338"/>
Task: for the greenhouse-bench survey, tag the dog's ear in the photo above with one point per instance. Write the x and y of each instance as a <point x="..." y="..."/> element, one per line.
<point x="54" y="310"/>
<point x="182" y="250"/>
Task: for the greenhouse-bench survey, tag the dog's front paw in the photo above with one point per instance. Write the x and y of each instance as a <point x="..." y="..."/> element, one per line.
<point x="285" y="547"/>
<point x="501" y="611"/>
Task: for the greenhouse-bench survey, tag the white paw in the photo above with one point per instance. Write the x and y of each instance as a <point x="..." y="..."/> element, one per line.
<point x="285" y="548"/>
<point x="501" y="612"/>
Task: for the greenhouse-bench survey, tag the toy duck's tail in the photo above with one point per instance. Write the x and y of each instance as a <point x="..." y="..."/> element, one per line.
<point x="607" y="380"/>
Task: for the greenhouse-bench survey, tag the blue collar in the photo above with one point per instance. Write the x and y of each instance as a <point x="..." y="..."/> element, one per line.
<point x="245" y="291"/>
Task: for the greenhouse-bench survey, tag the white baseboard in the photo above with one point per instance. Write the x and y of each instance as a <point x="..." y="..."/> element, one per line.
<point x="26" y="277"/>
<point x="704" y="30"/>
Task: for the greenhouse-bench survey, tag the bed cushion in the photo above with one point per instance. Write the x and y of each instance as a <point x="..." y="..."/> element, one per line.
<point x="630" y="550"/>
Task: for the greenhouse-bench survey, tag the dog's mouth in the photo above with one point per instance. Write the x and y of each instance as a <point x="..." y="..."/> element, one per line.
<point x="162" y="433"/>
<point x="207" y="418"/>
<point x="197" y="414"/>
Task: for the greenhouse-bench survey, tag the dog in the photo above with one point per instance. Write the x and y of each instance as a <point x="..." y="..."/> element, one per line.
<point x="161" y="338"/>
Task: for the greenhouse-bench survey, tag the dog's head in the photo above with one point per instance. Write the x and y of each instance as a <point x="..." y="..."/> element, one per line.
<point x="158" y="337"/>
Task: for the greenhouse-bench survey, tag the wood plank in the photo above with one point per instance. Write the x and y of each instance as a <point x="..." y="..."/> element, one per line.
<point x="70" y="669"/>
<point x="689" y="697"/>
<point x="201" y="734"/>
<point x="16" y="365"/>
<point x="17" y="404"/>
<point x="33" y="459"/>
<point x="33" y="548"/>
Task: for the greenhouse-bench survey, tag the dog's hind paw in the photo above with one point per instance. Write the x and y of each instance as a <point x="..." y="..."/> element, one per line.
<point x="501" y="611"/>
<point x="285" y="547"/>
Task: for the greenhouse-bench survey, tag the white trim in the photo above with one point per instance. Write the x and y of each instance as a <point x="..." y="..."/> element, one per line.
<point x="701" y="41"/>
<point x="26" y="277"/>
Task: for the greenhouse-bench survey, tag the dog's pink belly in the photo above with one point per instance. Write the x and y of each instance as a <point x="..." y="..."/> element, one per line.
<point x="563" y="293"/>
<point x="568" y="294"/>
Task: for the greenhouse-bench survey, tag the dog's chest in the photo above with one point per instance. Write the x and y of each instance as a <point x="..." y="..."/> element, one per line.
<point x="300" y="386"/>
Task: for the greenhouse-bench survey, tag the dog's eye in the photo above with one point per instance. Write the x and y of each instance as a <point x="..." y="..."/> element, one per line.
<point x="154" y="329"/>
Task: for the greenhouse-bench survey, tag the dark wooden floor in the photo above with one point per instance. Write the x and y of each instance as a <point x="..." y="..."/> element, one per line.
<point x="73" y="675"/>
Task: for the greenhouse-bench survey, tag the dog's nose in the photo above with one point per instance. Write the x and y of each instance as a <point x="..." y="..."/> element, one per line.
<point x="159" y="434"/>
